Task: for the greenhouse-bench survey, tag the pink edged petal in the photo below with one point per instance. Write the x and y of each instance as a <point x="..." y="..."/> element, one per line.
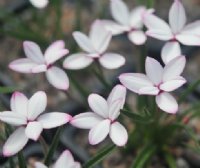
<point x="136" y="17"/>
<point x="86" y="120"/>
<point x="154" y="23"/>
<point x="39" y="4"/>
<point x="19" y="103"/>
<point x="33" y="52"/>
<point x="53" y="119"/>
<point x="77" y="61"/>
<point x="98" y="104"/>
<point x="39" y="165"/>
<point x="114" y="27"/>
<point x="33" y="130"/>
<point x="100" y="36"/>
<point x="174" y="68"/>
<point x="149" y="91"/>
<point x="77" y="165"/>
<point x="188" y="39"/>
<point x="167" y="103"/>
<point x="170" y="51"/>
<point x="16" y="142"/>
<point x="118" y="92"/>
<point x="99" y="132"/>
<point x="39" y="68"/>
<point x="154" y="70"/>
<point x="173" y="84"/>
<point x="37" y="105"/>
<point x="135" y="81"/>
<point x="65" y="160"/>
<point x="160" y="34"/>
<point x="83" y="42"/>
<point x="137" y="37"/>
<point x="112" y="60"/>
<point x="192" y="28"/>
<point x="23" y="65"/>
<point x="114" y="109"/>
<point x="55" y="51"/>
<point x="177" y="16"/>
<point x="57" y="78"/>
<point x="12" y="118"/>
<point x="118" y="134"/>
<point x="120" y="11"/>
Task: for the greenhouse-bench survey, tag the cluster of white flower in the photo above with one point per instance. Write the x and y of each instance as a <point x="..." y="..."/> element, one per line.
<point x="158" y="81"/>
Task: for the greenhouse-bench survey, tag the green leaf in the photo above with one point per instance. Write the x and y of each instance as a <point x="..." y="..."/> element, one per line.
<point x="137" y="118"/>
<point x="100" y="156"/>
<point x="5" y="90"/>
<point x="170" y="160"/>
<point x="21" y="159"/>
<point x="144" y="156"/>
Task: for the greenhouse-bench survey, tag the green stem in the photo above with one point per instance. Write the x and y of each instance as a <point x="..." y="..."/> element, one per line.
<point x="44" y="145"/>
<point x="21" y="159"/>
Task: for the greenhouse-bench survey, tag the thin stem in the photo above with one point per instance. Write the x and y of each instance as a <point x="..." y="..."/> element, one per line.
<point x="44" y="145"/>
<point x="21" y="159"/>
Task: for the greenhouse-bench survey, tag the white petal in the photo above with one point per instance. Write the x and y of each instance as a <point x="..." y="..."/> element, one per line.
<point x="19" y="103"/>
<point x="188" y="39"/>
<point x="65" y="160"/>
<point x="84" y="42"/>
<point x="167" y="103"/>
<point x="149" y="91"/>
<point x="170" y="51"/>
<point x="136" y="17"/>
<point x="114" y="109"/>
<point x="100" y="36"/>
<point x="154" y="70"/>
<point x="86" y="120"/>
<point x="172" y="84"/>
<point x="160" y="34"/>
<point x="118" y="134"/>
<point x="112" y="60"/>
<point x="23" y="65"/>
<point x="120" y="11"/>
<point x="99" y="132"/>
<point x="177" y="17"/>
<point x="58" y="78"/>
<point x="39" y="68"/>
<point x="33" y="52"/>
<point x="37" y="105"/>
<point x="12" y="118"/>
<point x="77" y="165"/>
<point x="137" y="37"/>
<point x="39" y="165"/>
<point x="33" y="130"/>
<point x="39" y="3"/>
<point x="77" y="61"/>
<point x="154" y="23"/>
<point x="55" y="51"/>
<point x="192" y="28"/>
<point x="114" y="28"/>
<point x="98" y="104"/>
<point x="16" y="142"/>
<point x="174" y="68"/>
<point x="53" y="119"/>
<point x="135" y="81"/>
<point x="118" y="92"/>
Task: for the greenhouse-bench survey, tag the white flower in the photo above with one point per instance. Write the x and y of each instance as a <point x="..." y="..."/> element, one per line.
<point x="39" y="3"/>
<point x="65" y="160"/>
<point x="158" y="81"/>
<point x="127" y="21"/>
<point x="177" y="31"/>
<point x="103" y="120"/>
<point x="94" y="46"/>
<point x="36" y="62"/>
<point x="26" y="115"/>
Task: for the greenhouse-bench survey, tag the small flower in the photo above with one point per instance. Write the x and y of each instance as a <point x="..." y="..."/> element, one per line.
<point x="94" y="46"/>
<point x="158" y="81"/>
<point x="26" y="115"/>
<point x="36" y="62"/>
<point x="177" y="31"/>
<point x="102" y="121"/>
<point x="127" y="21"/>
<point x="65" y="160"/>
<point x="39" y="3"/>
